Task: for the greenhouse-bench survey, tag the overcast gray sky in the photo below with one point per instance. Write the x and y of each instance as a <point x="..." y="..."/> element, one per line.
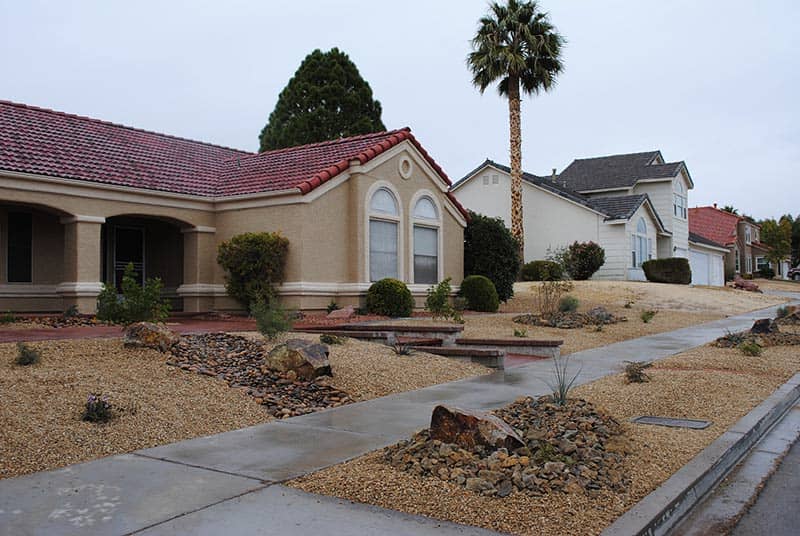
<point x="714" y="83"/>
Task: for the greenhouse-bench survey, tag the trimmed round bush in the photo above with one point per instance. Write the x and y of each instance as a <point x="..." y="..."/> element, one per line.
<point x="568" y="304"/>
<point x="390" y="297"/>
<point x="492" y="251"/>
<point x="542" y="271"/>
<point x="675" y="270"/>
<point x="583" y="259"/>
<point x="480" y="293"/>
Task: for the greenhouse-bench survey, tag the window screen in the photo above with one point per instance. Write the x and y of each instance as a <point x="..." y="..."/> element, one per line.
<point x="426" y="255"/>
<point x="382" y="250"/>
<point x="20" y="243"/>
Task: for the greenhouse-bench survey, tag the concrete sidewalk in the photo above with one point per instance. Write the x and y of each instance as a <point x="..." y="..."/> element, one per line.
<point x="227" y="482"/>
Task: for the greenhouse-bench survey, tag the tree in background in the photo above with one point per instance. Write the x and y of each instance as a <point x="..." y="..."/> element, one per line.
<point x="732" y="210"/>
<point x="517" y="47"/>
<point x="778" y="236"/>
<point x="795" y="239"/>
<point x="326" y="99"/>
<point x="491" y="250"/>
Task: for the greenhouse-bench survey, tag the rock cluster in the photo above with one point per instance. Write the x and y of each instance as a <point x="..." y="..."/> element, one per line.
<point x="242" y="364"/>
<point x="572" y="449"/>
<point x="149" y="335"/>
<point x="571" y="320"/>
<point x="764" y="333"/>
<point x="63" y="321"/>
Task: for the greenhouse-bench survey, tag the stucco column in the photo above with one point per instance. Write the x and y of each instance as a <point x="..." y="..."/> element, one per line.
<point x="82" y="262"/>
<point x="199" y="258"/>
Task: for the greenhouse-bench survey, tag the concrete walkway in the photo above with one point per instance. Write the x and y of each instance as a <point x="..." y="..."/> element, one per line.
<point x="230" y="482"/>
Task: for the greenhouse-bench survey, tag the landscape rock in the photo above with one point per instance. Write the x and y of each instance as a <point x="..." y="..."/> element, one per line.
<point x="764" y="325"/>
<point x="467" y="428"/>
<point x="344" y="313"/>
<point x="149" y="335"/>
<point x="744" y="284"/>
<point x="307" y="359"/>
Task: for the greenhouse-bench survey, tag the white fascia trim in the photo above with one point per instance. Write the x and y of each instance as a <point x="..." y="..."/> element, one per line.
<point x="79" y="288"/>
<point x="23" y="290"/>
<point x="82" y="219"/>
<point x="615" y="222"/>
<point x="665" y="179"/>
<point x="699" y="246"/>
<point x="200" y="229"/>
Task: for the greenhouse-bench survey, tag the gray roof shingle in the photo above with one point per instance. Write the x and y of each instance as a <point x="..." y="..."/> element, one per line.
<point x="617" y="171"/>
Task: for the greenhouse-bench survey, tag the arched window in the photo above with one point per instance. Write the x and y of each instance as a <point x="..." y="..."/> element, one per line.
<point x="641" y="246"/>
<point x="426" y="241"/>
<point x="384" y="217"/>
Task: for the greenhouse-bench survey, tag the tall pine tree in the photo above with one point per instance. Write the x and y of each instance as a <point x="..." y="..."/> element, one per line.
<point x="326" y="99"/>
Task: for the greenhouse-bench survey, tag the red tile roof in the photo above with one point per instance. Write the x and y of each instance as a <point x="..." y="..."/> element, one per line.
<point x="713" y="224"/>
<point x="45" y="142"/>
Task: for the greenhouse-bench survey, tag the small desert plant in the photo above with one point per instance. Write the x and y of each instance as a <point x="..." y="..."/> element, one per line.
<point x="71" y="312"/>
<point x="26" y="355"/>
<point x="599" y="326"/>
<point x="7" y="318"/>
<point x="332" y="306"/>
<point x="438" y="300"/>
<point x="634" y="371"/>
<point x="480" y="293"/>
<point x="648" y="315"/>
<point x="98" y="409"/>
<point x="562" y="381"/>
<point x="390" y="297"/>
<point x="732" y="339"/>
<point x="568" y="304"/>
<point x="628" y="304"/>
<point x="548" y="295"/>
<point x="750" y="348"/>
<point x="138" y="303"/>
<point x="401" y="349"/>
<point x="271" y="318"/>
<point x="782" y="312"/>
<point x="327" y="338"/>
<point x="459" y="304"/>
<point x="520" y="332"/>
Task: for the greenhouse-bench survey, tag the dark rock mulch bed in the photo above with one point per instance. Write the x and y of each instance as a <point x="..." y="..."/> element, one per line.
<point x="59" y="321"/>
<point x="733" y="340"/>
<point x="570" y="320"/>
<point x="241" y="363"/>
<point x="572" y="449"/>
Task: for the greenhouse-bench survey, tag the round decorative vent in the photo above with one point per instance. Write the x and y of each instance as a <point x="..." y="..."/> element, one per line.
<point x="406" y="167"/>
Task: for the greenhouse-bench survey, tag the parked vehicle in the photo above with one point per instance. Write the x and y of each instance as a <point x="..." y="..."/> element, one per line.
<point x="794" y="273"/>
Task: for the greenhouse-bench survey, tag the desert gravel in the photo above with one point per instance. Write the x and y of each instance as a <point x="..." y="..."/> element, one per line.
<point x="716" y="384"/>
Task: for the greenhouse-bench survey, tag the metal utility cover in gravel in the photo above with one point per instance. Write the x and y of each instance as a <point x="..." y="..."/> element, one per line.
<point x="672" y="423"/>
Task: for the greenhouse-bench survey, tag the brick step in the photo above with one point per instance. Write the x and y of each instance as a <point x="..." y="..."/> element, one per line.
<point x="519" y="341"/>
<point x="416" y="341"/>
<point x="488" y="357"/>
<point x="402" y="329"/>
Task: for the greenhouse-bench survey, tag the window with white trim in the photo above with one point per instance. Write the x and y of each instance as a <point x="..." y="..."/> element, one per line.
<point x="748" y="237"/>
<point x="761" y="263"/>
<point x="426" y="241"/>
<point x="679" y="202"/>
<point x="384" y="218"/>
<point x="640" y="245"/>
<point x="748" y="264"/>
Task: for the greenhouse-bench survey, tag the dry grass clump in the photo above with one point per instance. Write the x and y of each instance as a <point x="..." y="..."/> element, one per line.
<point x="715" y="384"/>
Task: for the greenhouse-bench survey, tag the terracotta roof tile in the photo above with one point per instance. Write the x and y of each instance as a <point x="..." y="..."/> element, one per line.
<point x="46" y="142"/>
<point x="714" y="224"/>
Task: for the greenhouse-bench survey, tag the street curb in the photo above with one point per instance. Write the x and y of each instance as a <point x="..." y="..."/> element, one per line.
<point x="661" y="511"/>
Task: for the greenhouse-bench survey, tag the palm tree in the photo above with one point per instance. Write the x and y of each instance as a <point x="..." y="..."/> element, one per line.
<point x="517" y="46"/>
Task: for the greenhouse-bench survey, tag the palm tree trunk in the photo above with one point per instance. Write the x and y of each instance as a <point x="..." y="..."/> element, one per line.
<point x="515" y="137"/>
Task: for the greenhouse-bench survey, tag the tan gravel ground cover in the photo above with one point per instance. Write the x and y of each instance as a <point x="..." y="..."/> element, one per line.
<point x="678" y="306"/>
<point x="155" y="404"/>
<point x="716" y="384"/>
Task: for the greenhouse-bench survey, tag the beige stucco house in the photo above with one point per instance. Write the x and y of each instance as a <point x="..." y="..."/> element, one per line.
<point x="82" y="198"/>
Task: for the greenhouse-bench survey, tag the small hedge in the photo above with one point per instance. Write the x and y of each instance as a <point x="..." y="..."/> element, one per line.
<point x="674" y="270"/>
<point x="492" y="251"/>
<point x="766" y="273"/>
<point x="480" y="293"/>
<point x="582" y="259"/>
<point x="254" y="264"/>
<point x="390" y="297"/>
<point x="542" y="271"/>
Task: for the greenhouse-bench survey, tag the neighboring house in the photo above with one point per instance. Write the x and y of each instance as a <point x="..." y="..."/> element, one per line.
<point x="707" y="260"/>
<point x="747" y="254"/>
<point x="633" y="205"/>
<point x="82" y="198"/>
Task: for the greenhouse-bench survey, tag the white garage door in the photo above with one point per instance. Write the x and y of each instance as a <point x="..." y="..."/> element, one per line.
<point x="700" y="267"/>
<point x="707" y="268"/>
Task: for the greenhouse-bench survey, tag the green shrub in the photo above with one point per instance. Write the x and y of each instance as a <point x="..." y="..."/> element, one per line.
<point x="542" y="271"/>
<point x="492" y="251"/>
<point x="673" y="270"/>
<point x="254" y="264"/>
<point x="750" y="348"/>
<point x="332" y="306"/>
<point x="647" y="316"/>
<point x="766" y="273"/>
<point x="747" y="276"/>
<point x="520" y="332"/>
<point x="137" y="303"/>
<point x="98" y="409"/>
<point x="402" y="349"/>
<point x="782" y="312"/>
<point x="390" y="297"/>
<point x="438" y="300"/>
<point x="634" y="371"/>
<point x="480" y="293"/>
<point x="327" y="338"/>
<point x="271" y="319"/>
<point x="7" y="318"/>
<point x="71" y="312"/>
<point x="26" y="355"/>
<point x="582" y="259"/>
<point x="568" y="304"/>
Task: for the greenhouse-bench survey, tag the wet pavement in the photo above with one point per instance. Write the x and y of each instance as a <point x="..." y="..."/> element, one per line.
<point x="242" y="461"/>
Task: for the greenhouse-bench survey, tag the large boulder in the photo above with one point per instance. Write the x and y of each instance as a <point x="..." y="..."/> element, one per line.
<point x="764" y="326"/>
<point x="744" y="284"/>
<point x="149" y="335"/>
<point x="343" y="314"/>
<point x="305" y="358"/>
<point x="468" y="428"/>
